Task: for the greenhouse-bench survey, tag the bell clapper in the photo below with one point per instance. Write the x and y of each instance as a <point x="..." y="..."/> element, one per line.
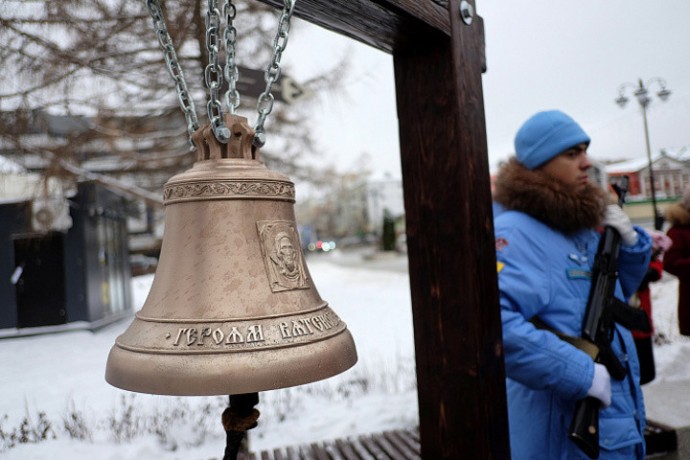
<point x="239" y="417"/>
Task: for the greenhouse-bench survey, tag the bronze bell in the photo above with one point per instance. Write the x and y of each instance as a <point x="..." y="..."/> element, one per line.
<point x="232" y="308"/>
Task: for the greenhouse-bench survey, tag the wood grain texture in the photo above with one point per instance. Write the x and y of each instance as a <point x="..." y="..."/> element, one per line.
<point x="384" y="24"/>
<point x="458" y="342"/>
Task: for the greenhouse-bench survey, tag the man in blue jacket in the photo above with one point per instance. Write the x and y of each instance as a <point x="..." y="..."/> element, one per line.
<point x="547" y="233"/>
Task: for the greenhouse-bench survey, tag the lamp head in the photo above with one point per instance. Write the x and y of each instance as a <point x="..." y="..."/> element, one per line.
<point x="663" y="94"/>
<point x="642" y="96"/>
<point x="621" y="100"/>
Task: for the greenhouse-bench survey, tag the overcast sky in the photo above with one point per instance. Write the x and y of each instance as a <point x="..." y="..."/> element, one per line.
<point x="541" y="54"/>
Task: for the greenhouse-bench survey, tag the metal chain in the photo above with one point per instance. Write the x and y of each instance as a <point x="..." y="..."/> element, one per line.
<point x="265" y="103"/>
<point x="232" y="96"/>
<point x="174" y="69"/>
<point x="213" y="75"/>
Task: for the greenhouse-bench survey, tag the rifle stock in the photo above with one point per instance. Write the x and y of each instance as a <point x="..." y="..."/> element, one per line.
<point x="584" y="429"/>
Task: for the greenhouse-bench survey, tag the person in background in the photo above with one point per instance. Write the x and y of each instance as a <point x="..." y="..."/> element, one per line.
<point x="642" y="299"/>
<point x="677" y="258"/>
<point x="546" y="240"/>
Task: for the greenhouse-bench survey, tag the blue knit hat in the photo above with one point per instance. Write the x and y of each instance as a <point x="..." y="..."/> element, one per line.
<point x="545" y="135"/>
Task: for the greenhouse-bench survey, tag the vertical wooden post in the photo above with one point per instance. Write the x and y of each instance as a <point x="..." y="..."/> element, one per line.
<point x="457" y="327"/>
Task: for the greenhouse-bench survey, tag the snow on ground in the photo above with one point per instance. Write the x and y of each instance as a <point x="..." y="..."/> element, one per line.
<point x="61" y="375"/>
<point x="672" y="349"/>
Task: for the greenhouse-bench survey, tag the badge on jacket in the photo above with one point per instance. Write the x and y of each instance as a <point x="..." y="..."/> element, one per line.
<point x="501" y="243"/>
<point x="577" y="273"/>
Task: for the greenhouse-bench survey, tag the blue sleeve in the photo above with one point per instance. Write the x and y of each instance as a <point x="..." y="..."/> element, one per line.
<point x="534" y="357"/>
<point x="633" y="262"/>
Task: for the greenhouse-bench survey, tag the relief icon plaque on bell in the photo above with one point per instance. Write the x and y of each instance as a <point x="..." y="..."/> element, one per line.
<point x="280" y="247"/>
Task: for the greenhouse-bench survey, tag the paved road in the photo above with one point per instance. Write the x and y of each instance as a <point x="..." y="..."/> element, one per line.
<point x="369" y="258"/>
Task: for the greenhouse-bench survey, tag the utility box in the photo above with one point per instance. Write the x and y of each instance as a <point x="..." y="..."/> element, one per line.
<point x="64" y="263"/>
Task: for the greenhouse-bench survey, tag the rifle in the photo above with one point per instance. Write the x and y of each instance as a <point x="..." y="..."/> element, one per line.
<point x="603" y="311"/>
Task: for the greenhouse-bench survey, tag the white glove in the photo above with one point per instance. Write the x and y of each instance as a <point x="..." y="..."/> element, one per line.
<point x="601" y="385"/>
<point x="616" y="218"/>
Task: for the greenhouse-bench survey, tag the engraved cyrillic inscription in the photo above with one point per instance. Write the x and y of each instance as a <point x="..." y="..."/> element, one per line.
<point x="204" y="336"/>
<point x="236" y="335"/>
<point x="308" y="326"/>
<point x="255" y="334"/>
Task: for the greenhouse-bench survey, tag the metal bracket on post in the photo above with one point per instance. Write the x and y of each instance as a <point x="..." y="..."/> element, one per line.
<point x="466" y="12"/>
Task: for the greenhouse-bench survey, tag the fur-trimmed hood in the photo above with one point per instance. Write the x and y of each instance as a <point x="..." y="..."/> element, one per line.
<point x="676" y="214"/>
<point x="547" y="199"/>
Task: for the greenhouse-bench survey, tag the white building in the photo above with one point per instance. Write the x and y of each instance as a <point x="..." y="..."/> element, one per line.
<point x="671" y="176"/>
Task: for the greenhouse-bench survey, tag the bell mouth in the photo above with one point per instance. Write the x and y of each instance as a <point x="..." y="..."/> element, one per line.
<point x="209" y="374"/>
<point x="212" y="336"/>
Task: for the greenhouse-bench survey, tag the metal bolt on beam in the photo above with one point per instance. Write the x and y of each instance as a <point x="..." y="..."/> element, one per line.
<point x="466" y="12"/>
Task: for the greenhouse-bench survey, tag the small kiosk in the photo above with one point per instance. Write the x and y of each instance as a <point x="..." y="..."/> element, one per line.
<point x="63" y="262"/>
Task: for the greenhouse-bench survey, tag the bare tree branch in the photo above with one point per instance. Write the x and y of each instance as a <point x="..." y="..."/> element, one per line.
<point x="84" y="82"/>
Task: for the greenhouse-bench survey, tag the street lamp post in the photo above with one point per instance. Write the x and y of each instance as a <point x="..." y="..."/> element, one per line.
<point x="641" y="92"/>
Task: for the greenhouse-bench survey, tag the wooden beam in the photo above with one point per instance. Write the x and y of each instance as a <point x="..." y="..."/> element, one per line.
<point x="452" y="263"/>
<point x="384" y="24"/>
